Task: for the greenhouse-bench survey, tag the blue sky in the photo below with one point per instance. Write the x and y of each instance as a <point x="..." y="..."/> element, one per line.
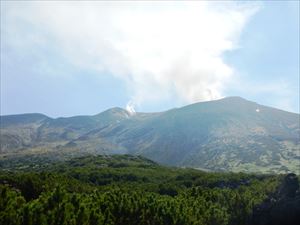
<point x="72" y="58"/>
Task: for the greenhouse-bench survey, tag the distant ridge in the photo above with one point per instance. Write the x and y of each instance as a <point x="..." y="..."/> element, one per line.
<point x="228" y="134"/>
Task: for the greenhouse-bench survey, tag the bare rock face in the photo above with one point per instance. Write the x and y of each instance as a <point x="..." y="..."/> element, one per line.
<point x="281" y="208"/>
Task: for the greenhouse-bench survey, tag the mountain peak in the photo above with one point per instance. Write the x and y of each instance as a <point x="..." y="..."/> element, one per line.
<point x="22" y="118"/>
<point x="116" y="110"/>
<point x="114" y="114"/>
<point x="234" y="98"/>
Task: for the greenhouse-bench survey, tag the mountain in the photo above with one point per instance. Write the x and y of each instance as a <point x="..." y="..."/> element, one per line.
<point x="228" y="134"/>
<point x="20" y="132"/>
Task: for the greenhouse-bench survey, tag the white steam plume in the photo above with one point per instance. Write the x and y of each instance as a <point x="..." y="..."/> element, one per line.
<point x="161" y="50"/>
<point x="130" y="108"/>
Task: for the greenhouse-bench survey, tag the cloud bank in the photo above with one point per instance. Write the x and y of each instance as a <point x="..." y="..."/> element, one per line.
<point x="161" y="50"/>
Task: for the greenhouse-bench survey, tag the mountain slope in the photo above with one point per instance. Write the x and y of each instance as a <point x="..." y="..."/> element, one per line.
<point x="228" y="134"/>
<point x="20" y="132"/>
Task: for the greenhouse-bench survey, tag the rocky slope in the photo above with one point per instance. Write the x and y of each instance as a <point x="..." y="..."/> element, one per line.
<point x="228" y="134"/>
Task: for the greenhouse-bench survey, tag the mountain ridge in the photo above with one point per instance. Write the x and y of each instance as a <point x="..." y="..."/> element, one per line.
<point x="117" y="108"/>
<point x="227" y="134"/>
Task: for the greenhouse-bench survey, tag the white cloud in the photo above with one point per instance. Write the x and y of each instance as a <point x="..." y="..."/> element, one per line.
<point x="159" y="49"/>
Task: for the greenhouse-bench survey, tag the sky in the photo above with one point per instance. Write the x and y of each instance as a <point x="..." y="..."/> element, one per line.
<point x="80" y="58"/>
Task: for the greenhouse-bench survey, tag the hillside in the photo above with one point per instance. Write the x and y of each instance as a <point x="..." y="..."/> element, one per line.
<point x="125" y="189"/>
<point x="229" y="134"/>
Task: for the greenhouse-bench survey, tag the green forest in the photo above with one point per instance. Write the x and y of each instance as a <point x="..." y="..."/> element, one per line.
<point x="132" y="190"/>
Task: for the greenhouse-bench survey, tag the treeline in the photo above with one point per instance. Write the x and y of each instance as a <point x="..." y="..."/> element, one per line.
<point x="129" y="190"/>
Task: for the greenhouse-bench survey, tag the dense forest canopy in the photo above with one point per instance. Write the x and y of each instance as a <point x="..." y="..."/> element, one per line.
<point x="134" y="190"/>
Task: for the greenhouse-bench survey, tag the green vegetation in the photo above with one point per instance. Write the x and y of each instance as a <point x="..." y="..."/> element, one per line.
<point x="223" y="135"/>
<point x="128" y="190"/>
